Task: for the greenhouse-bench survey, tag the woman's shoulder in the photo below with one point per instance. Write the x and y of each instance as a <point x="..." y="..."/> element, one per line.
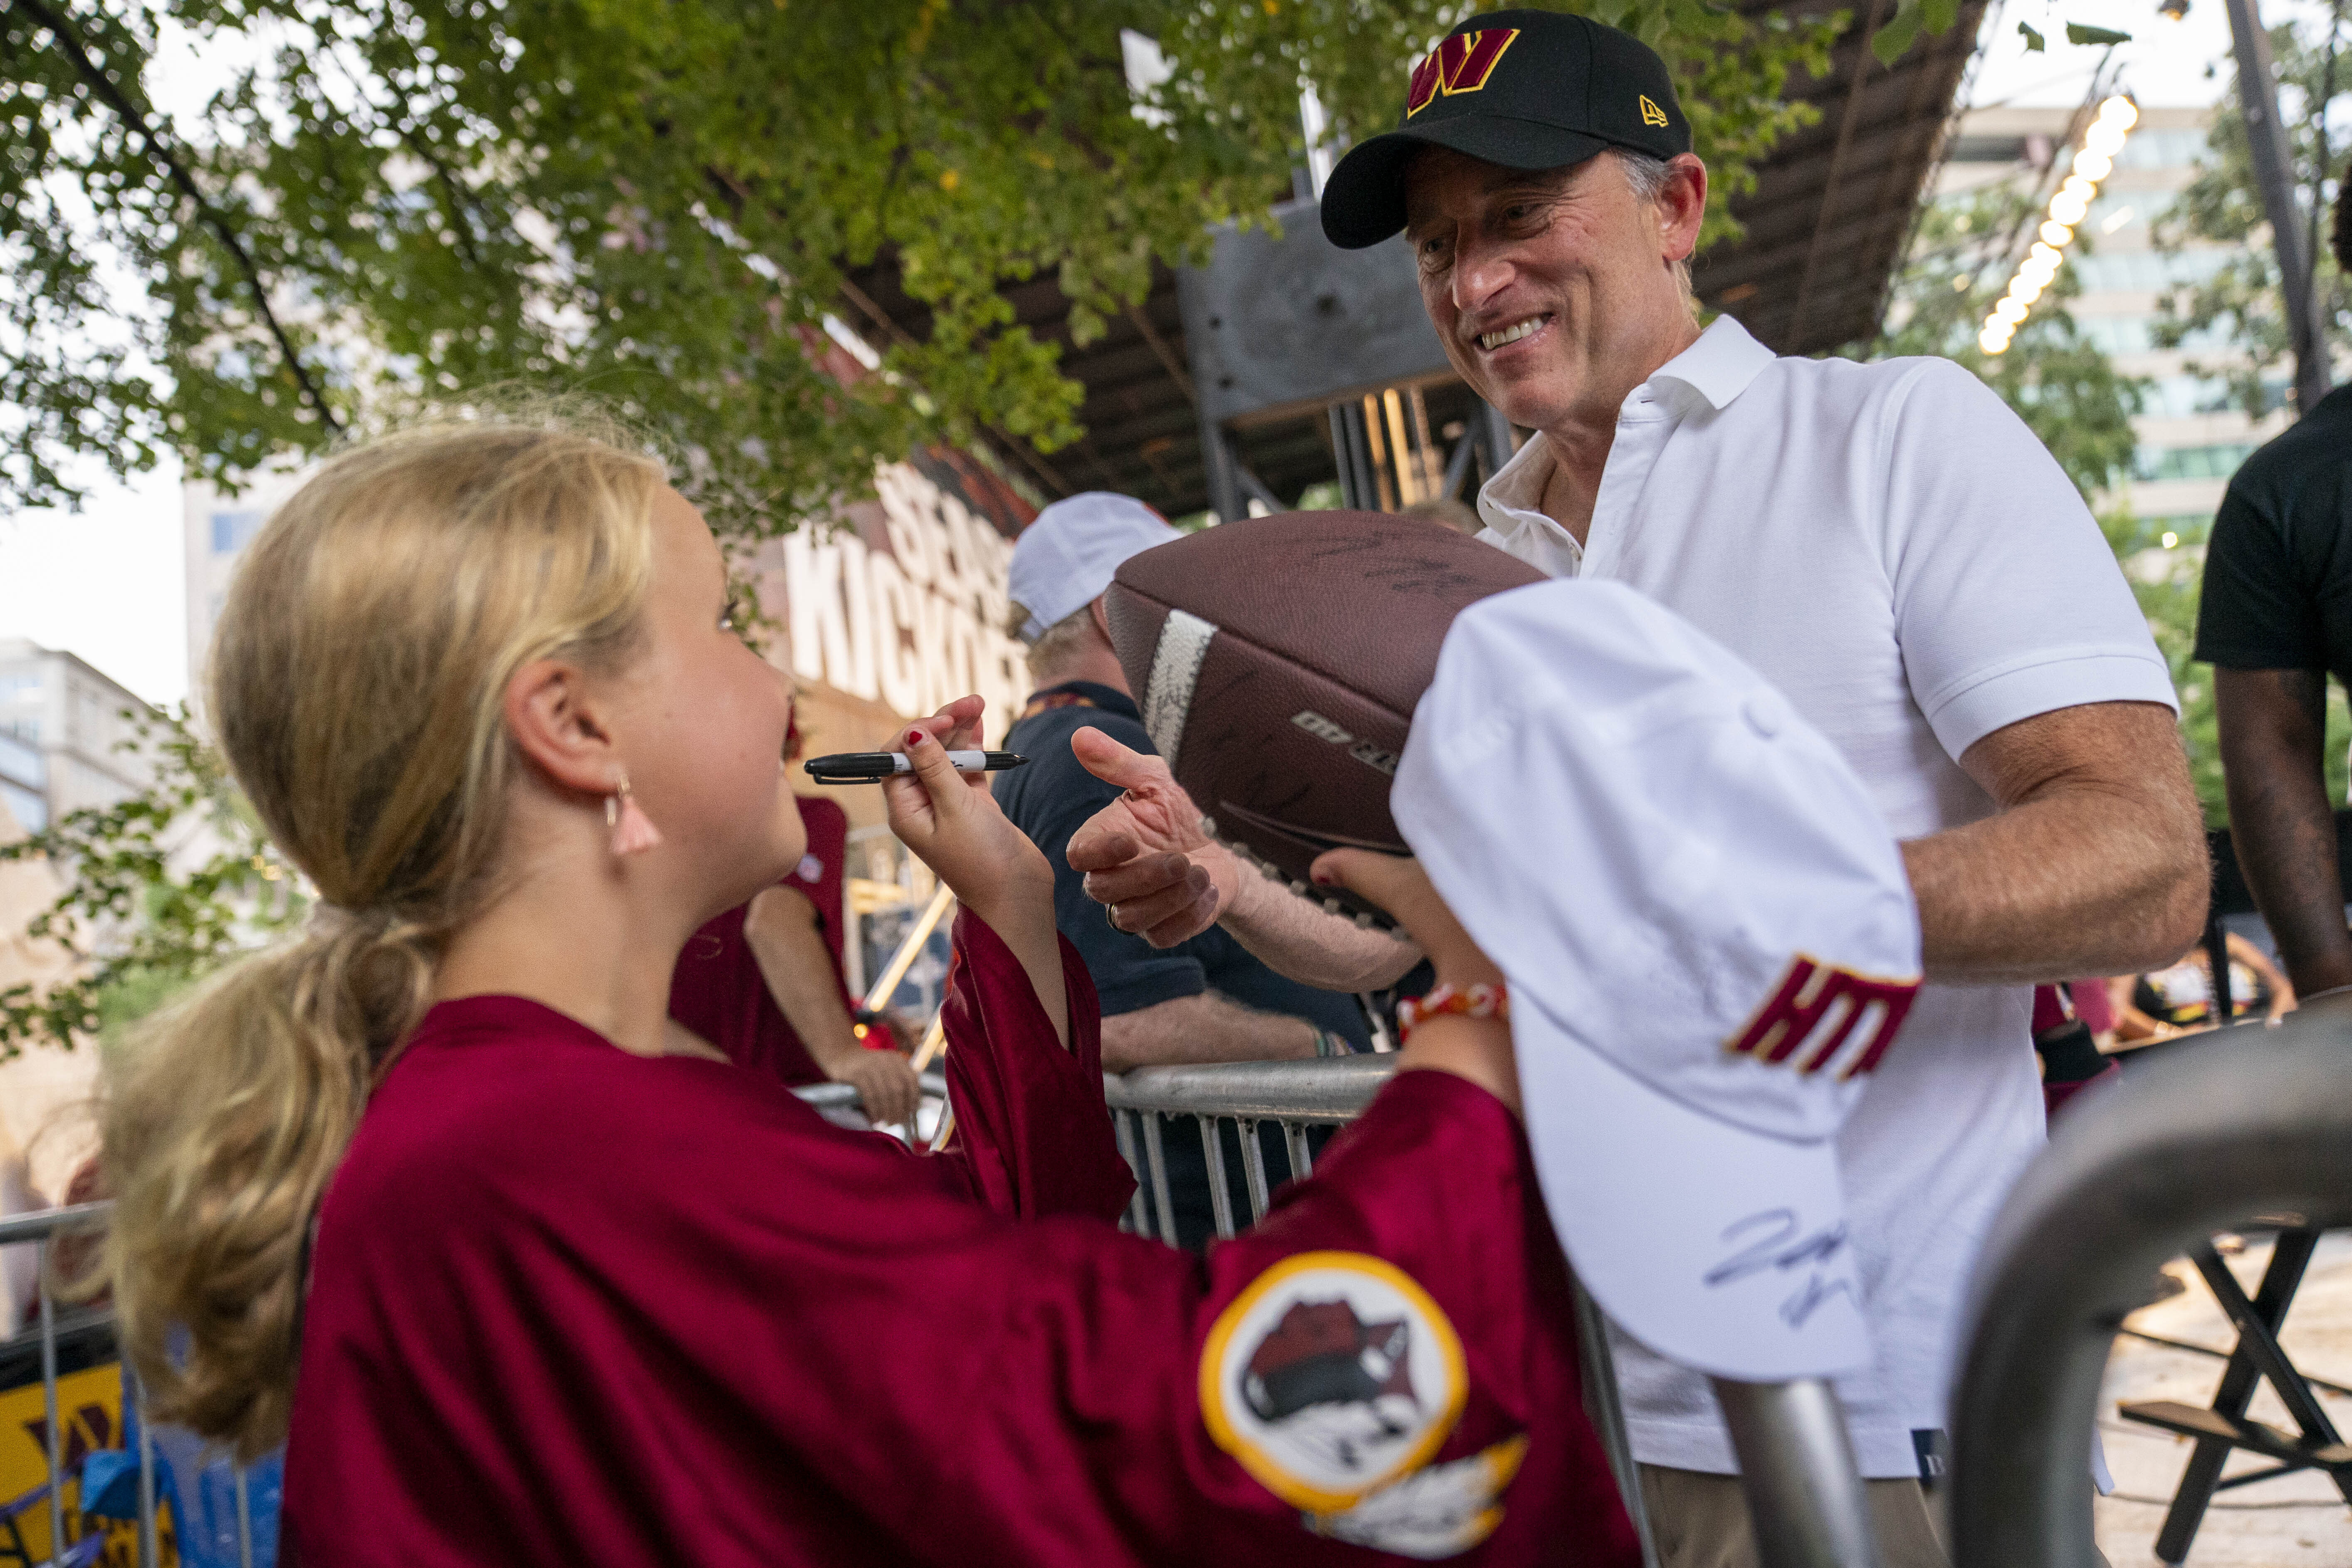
<point x="499" y="1093"/>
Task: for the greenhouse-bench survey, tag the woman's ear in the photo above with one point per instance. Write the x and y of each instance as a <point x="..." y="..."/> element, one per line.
<point x="551" y="715"/>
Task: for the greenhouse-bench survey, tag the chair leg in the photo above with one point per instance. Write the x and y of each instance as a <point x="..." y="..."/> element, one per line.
<point x="2289" y="1257"/>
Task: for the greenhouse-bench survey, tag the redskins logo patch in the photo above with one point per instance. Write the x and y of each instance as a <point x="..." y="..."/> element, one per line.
<point x="1330" y="1376"/>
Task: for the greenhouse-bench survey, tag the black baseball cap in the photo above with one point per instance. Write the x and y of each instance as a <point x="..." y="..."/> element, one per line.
<point x="1526" y="89"/>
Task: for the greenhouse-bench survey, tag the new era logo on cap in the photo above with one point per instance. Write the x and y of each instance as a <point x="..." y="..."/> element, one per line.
<point x="1461" y="64"/>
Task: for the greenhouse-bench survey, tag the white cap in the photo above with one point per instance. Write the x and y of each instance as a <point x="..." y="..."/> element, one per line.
<point x="1710" y="940"/>
<point x="1066" y="556"/>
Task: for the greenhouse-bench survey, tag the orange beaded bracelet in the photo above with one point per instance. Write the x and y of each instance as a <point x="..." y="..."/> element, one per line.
<point x="1473" y="1002"/>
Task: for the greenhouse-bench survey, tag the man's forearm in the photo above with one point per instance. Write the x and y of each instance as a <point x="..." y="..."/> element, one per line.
<point x="1204" y="1029"/>
<point x="2095" y="866"/>
<point x="2273" y="733"/>
<point x="2033" y="896"/>
<point x="1305" y="942"/>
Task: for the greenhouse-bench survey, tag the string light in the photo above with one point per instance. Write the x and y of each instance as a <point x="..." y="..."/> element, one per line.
<point x="2068" y="208"/>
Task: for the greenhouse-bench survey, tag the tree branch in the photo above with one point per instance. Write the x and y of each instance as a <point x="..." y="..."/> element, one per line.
<point x="104" y="87"/>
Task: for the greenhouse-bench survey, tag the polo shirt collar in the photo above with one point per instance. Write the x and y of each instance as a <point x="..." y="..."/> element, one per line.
<point x="1718" y="366"/>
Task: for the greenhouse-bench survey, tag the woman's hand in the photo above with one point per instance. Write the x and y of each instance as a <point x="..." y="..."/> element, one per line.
<point x="952" y="821"/>
<point x="1476" y="1048"/>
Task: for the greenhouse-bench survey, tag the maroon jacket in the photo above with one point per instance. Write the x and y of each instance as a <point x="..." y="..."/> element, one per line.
<point x="574" y="1306"/>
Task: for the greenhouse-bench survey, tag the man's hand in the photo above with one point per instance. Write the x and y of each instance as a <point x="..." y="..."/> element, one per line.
<point x="886" y="1082"/>
<point x="1144" y="854"/>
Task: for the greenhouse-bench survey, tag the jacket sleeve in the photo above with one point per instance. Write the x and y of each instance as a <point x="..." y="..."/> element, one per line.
<point x="1385" y="1367"/>
<point x="1032" y="1133"/>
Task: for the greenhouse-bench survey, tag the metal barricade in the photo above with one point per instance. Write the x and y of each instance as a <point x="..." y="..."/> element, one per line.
<point x="1296" y="1095"/>
<point x="2204" y="1140"/>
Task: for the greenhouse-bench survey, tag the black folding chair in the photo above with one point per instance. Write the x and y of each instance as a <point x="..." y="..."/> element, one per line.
<point x="2225" y="1428"/>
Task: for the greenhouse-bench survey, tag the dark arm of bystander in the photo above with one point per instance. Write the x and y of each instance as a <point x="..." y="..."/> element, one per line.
<point x="2273" y="726"/>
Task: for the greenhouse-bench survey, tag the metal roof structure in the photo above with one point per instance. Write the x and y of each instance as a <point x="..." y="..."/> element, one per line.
<point x="1826" y="225"/>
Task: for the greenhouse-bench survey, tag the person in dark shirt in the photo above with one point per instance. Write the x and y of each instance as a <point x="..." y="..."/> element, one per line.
<point x="2276" y="620"/>
<point x="1204" y="1000"/>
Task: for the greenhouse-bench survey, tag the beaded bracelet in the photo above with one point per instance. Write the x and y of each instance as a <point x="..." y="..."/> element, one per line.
<point x="1475" y="1002"/>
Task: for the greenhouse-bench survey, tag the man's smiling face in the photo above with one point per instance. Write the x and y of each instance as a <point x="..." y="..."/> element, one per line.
<point x="1553" y="292"/>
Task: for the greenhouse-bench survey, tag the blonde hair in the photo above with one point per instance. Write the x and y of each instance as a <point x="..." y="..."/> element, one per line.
<point x="358" y="677"/>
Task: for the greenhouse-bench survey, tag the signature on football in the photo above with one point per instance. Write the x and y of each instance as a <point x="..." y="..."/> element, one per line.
<point x="1775" y="1239"/>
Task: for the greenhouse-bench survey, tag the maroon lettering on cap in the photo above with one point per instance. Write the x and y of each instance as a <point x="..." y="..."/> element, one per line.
<point x="1809" y="992"/>
<point x="1460" y="64"/>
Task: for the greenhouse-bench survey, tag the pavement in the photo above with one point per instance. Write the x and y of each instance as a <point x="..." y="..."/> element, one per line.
<point x="2296" y="1521"/>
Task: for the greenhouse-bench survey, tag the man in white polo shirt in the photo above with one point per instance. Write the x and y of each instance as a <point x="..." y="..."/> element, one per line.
<point x="1890" y="546"/>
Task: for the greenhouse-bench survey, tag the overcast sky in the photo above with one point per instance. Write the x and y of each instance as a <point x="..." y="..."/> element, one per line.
<point x="107" y="583"/>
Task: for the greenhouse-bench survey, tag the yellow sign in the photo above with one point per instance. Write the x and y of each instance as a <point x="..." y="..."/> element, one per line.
<point x="90" y="1409"/>
<point x="1651" y="113"/>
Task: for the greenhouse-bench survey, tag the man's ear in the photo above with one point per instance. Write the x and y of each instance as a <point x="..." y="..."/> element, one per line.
<point x="1682" y="205"/>
<point x="549" y="712"/>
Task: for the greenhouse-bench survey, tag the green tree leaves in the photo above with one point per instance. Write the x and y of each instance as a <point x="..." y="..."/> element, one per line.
<point x="392" y="202"/>
<point x="159" y="891"/>
<point x="2237" y="308"/>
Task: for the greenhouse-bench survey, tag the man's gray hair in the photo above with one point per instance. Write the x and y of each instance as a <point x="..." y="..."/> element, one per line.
<point x="1646" y="177"/>
<point x="1056" y="643"/>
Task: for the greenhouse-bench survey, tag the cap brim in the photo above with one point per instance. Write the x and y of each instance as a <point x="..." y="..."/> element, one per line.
<point x="1720" y="1249"/>
<point x="1363" y="201"/>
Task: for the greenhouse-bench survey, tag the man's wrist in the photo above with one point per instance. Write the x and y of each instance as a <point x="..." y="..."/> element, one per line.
<point x="1224" y="870"/>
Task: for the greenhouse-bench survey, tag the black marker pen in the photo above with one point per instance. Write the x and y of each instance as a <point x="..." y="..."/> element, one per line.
<point x="873" y="767"/>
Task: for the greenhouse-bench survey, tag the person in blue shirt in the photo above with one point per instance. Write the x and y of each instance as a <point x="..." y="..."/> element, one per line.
<point x="1203" y="1000"/>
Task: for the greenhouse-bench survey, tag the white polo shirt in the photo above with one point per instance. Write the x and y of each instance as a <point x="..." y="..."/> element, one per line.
<point x="1892" y="547"/>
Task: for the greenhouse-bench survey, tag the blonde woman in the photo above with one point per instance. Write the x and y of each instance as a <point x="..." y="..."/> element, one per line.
<point x="428" y="1201"/>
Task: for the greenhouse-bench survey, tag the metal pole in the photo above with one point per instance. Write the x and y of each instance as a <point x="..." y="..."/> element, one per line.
<point x="49" y="1402"/>
<point x="2274" y="174"/>
<point x="150" y="1550"/>
<point x="1605" y="1408"/>
<point x="1805" y="1495"/>
<point x="904" y="959"/>
<point x="244" y="1522"/>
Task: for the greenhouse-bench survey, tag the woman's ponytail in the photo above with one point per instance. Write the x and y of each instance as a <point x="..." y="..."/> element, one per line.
<point x="357" y="676"/>
<point x="221" y="1133"/>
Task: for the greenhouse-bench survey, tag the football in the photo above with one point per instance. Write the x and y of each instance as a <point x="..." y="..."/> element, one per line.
<point x="1278" y="662"/>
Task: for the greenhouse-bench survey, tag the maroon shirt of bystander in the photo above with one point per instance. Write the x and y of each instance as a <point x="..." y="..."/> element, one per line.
<point x="717" y="989"/>
<point x="570" y="1305"/>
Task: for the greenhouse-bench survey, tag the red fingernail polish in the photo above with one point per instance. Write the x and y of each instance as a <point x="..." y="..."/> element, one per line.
<point x="1322" y="879"/>
<point x="914" y="737"/>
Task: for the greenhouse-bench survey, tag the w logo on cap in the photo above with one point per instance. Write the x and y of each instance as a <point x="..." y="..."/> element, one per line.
<point x="1461" y="64"/>
<point x="1819" y="1010"/>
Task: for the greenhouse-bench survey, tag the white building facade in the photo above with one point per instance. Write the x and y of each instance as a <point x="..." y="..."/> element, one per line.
<point x="74" y="722"/>
<point x="2192" y="434"/>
